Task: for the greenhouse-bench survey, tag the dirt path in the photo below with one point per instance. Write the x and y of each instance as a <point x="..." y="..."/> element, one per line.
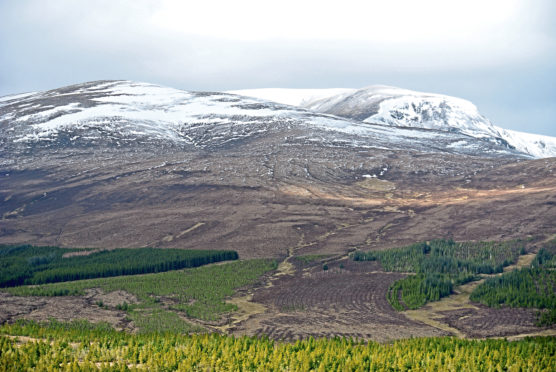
<point x="430" y="314"/>
<point x="551" y="237"/>
<point x="286" y="267"/>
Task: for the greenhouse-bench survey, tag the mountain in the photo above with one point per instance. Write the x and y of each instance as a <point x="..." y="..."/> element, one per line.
<point x="131" y="114"/>
<point x="121" y="164"/>
<point x="128" y="164"/>
<point x="405" y="108"/>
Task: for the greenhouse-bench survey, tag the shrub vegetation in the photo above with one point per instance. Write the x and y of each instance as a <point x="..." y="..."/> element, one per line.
<point x="198" y="292"/>
<point x="27" y="264"/>
<point x="532" y="287"/>
<point x="439" y="266"/>
<point x="82" y="346"/>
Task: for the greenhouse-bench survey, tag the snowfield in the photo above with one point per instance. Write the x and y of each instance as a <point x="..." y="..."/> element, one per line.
<point x="405" y="108"/>
<point x="292" y="97"/>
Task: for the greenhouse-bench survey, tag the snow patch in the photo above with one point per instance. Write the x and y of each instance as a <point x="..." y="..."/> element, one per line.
<point x="292" y="97"/>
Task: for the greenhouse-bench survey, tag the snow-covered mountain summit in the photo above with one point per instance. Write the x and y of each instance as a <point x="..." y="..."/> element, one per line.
<point x="126" y="113"/>
<point x="293" y="97"/>
<point x="113" y="114"/>
<point x="405" y="108"/>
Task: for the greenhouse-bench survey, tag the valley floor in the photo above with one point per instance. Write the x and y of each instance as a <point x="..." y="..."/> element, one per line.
<point x="297" y="300"/>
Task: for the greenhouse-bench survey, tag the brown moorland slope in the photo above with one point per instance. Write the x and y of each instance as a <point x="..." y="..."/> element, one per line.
<point x="265" y="201"/>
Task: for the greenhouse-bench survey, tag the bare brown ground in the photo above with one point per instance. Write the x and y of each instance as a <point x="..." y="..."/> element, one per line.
<point x="482" y="321"/>
<point x="219" y="201"/>
<point x="348" y="301"/>
<point x="456" y="196"/>
<point x="68" y="308"/>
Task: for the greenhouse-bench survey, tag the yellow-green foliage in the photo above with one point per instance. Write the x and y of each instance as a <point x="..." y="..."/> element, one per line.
<point x="72" y="348"/>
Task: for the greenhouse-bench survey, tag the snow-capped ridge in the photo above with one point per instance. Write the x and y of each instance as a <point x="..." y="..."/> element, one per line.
<point x="127" y="113"/>
<point x="398" y="107"/>
<point x="292" y="97"/>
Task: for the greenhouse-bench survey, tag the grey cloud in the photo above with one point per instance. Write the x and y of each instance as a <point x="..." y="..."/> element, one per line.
<point x="45" y="46"/>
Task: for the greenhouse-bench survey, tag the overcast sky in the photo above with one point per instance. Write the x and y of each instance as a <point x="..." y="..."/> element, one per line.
<point x="500" y="54"/>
